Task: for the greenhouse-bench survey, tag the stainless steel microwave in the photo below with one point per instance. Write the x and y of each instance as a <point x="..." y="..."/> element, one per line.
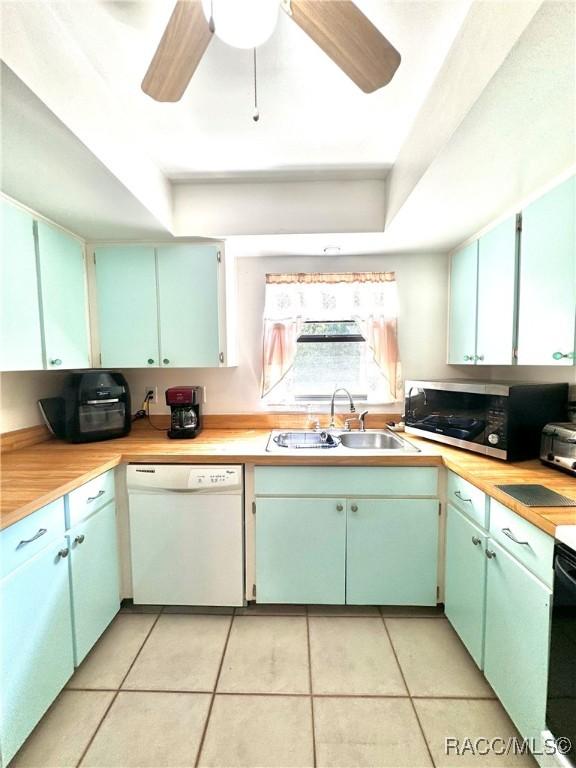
<point x="500" y="419"/>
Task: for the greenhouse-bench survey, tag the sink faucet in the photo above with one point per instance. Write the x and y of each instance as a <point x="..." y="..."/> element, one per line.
<point x="352" y="408"/>
<point x="360" y="419"/>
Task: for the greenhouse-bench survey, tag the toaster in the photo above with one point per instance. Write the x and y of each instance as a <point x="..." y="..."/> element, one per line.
<point x="558" y="446"/>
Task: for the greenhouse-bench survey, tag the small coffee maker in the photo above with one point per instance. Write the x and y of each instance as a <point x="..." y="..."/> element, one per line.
<point x="185" y="416"/>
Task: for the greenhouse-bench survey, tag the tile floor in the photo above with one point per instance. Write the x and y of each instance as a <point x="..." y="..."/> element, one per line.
<point x="271" y="686"/>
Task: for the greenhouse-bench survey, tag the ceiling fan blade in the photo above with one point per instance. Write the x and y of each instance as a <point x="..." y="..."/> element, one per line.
<point x="183" y="43"/>
<point x="349" y="39"/>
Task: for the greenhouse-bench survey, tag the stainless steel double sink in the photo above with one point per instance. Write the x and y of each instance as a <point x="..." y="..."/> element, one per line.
<point x="380" y="441"/>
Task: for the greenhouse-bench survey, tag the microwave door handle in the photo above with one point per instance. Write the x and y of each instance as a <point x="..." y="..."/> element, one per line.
<point x="565" y="573"/>
<point x="103" y="402"/>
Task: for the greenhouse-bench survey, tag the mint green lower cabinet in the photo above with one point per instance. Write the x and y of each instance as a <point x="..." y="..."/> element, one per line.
<point x="392" y="552"/>
<point x="465" y="581"/>
<point x="300" y="550"/>
<point x="517" y="639"/>
<point x="94" y="573"/>
<point x="36" y="643"/>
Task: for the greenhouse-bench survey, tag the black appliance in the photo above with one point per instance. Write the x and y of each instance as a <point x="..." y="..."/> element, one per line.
<point x="561" y="704"/>
<point x="499" y="419"/>
<point x="95" y="405"/>
<point x="185" y="413"/>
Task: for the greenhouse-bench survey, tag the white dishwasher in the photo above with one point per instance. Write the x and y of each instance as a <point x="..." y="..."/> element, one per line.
<point x="186" y="534"/>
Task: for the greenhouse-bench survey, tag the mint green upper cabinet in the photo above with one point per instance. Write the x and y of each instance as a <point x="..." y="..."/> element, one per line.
<point x="35" y="643"/>
<point x="496" y="295"/>
<point x="188" y="305"/>
<point x="127" y="306"/>
<point x="465" y="581"/>
<point x="516" y="640"/>
<point x="547" y="311"/>
<point x="63" y="296"/>
<point x="392" y="552"/>
<point x="94" y="574"/>
<point x="300" y="550"/>
<point x="462" y="323"/>
<point x="20" y="334"/>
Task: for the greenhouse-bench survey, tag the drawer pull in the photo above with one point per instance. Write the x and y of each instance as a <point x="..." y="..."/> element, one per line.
<point x="476" y="541"/>
<point x="41" y="532"/>
<point x="79" y="539"/>
<point x="508" y="532"/>
<point x="90" y="499"/>
<point x="490" y="554"/>
<point x="457" y="493"/>
<point x="63" y="552"/>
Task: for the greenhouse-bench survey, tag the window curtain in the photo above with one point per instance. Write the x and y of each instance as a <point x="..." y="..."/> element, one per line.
<point x="369" y="298"/>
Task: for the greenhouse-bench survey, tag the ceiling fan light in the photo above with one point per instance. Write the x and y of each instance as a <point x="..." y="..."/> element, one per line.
<point x="243" y="23"/>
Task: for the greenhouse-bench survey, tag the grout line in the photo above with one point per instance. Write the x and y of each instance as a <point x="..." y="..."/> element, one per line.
<point x="314" y="762"/>
<point x="109" y="707"/>
<point x="216" y="681"/>
<point x="409" y="694"/>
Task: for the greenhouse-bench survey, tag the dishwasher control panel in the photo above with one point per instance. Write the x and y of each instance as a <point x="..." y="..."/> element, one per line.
<point x="214" y="477"/>
<point x="199" y="478"/>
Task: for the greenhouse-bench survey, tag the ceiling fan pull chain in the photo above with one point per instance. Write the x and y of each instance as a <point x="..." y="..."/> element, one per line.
<point x="256" y="113"/>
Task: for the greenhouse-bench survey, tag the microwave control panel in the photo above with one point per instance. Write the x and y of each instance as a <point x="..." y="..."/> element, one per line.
<point x="497" y="422"/>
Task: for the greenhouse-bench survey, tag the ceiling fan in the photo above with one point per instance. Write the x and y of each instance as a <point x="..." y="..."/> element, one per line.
<point x="338" y="27"/>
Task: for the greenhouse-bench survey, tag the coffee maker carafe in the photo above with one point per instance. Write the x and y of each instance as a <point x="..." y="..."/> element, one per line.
<point x="185" y="415"/>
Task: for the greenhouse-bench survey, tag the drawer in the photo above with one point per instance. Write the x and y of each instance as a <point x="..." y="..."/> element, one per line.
<point x="467" y="498"/>
<point x="19" y="542"/>
<point x="346" y="481"/>
<point x="89" y="497"/>
<point x="531" y="546"/>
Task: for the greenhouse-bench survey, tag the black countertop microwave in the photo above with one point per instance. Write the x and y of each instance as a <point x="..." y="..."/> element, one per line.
<point x="499" y="419"/>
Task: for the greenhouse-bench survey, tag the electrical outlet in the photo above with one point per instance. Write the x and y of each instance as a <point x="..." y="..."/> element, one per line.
<point x="154" y="390"/>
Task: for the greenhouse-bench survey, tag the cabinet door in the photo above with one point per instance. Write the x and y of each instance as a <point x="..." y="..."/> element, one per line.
<point x="496" y="295"/>
<point x="547" y="310"/>
<point x="189" y="305"/>
<point x="20" y="335"/>
<point x="462" y="324"/>
<point x="64" y="302"/>
<point x="36" y="643"/>
<point x="300" y="550"/>
<point x="516" y="642"/>
<point x="127" y="306"/>
<point x="392" y="552"/>
<point x="94" y="569"/>
<point x="465" y="581"/>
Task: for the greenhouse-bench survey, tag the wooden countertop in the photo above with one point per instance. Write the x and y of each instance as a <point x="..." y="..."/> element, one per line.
<point x="36" y="475"/>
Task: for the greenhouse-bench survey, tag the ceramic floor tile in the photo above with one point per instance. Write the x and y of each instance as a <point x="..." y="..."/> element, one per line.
<point x="266" y="654"/>
<point x="412" y="611"/>
<point x="353" y="656"/>
<point x="62" y="735"/>
<point x="468" y="719"/>
<point x="434" y="660"/>
<point x="370" y="732"/>
<point x="258" y="609"/>
<point x="343" y="610"/>
<point x="150" y="730"/>
<point x="111" y="657"/>
<point x="259" y="731"/>
<point x="182" y="653"/>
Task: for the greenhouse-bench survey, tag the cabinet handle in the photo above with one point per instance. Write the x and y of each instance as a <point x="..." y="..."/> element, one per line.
<point x="508" y="532"/>
<point x="468" y="358"/>
<point x="459" y="494"/>
<point x="476" y="541"/>
<point x="150" y="361"/>
<point x="79" y="539"/>
<point x="221" y="357"/>
<point x="41" y="532"/>
<point x="354" y="508"/>
<point x="165" y="361"/>
<point x="63" y="552"/>
<point x="490" y="554"/>
<point x="479" y="357"/>
<point x="100" y="493"/>
<point x="560" y="355"/>
<point x="56" y="361"/>
<point x="339" y="507"/>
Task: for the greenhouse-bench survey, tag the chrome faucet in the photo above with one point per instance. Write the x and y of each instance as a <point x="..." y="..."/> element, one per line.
<point x="352" y="408"/>
<point x="360" y="419"/>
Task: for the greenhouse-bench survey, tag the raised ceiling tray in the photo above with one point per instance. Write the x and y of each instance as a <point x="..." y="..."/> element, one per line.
<point x="536" y="495"/>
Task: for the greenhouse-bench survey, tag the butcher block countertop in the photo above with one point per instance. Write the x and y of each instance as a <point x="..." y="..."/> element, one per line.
<point x="35" y="475"/>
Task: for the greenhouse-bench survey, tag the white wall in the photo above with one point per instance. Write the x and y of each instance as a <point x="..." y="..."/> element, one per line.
<point x="20" y="392"/>
<point x="422" y="285"/>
